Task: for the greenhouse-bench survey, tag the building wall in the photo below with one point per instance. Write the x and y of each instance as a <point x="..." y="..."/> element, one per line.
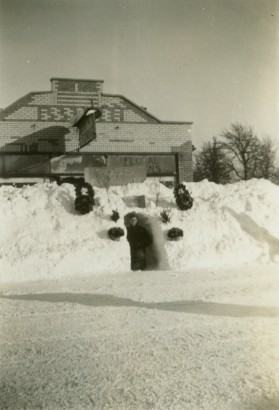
<point x="67" y="97"/>
<point x="32" y="137"/>
<point x="110" y="136"/>
<point x="40" y="122"/>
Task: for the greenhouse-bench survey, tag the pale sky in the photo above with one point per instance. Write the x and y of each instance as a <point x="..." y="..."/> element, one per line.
<point x="212" y="62"/>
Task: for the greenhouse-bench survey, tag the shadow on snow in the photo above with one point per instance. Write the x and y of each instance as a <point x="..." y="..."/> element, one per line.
<point x="194" y="307"/>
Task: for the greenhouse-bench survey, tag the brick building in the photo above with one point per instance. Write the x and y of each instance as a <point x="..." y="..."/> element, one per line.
<point x="37" y="138"/>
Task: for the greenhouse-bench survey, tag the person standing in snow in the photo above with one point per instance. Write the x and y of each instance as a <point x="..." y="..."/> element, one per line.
<point x="139" y="238"/>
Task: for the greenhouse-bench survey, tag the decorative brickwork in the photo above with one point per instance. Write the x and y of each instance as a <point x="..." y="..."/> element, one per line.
<point x="13" y="108"/>
<point x="46" y="98"/>
<point x="118" y="108"/>
<point x="78" y="100"/>
<point x="75" y="85"/>
<point x="40" y="123"/>
<point x="66" y="86"/>
<point x="89" y="87"/>
<point x="56" y="113"/>
<point x="74" y="94"/>
<point x="24" y="113"/>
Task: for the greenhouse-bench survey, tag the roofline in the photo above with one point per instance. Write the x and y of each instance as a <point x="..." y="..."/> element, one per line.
<point x="15" y="103"/>
<point x="147" y="112"/>
<point x="105" y="95"/>
<point x="134" y="104"/>
<point x="74" y="79"/>
<point x="178" y="122"/>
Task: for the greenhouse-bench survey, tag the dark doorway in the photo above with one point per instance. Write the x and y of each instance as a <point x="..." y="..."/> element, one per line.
<point x="152" y="260"/>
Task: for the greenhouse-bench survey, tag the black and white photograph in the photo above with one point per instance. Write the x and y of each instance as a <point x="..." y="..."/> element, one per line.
<point x="139" y="204"/>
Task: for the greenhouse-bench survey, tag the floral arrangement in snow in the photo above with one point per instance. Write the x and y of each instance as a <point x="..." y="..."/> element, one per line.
<point x="115" y="233"/>
<point x="115" y="215"/>
<point x="183" y="198"/>
<point x="165" y="215"/>
<point x="83" y="204"/>
<point x="84" y="198"/>
<point x="174" y="234"/>
<point x="85" y="188"/>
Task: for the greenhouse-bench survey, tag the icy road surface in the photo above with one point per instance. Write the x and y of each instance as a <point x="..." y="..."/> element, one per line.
<point x="151" y="340"/>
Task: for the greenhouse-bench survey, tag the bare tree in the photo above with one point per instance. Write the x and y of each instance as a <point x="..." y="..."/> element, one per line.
<point x="212" y="163"/>
<point x="266" y="161"/>
<point x="105" y="178"/>
<point x="158" y="191"/>
<point x="275" y="177"/>
<point x="242" y="146"/>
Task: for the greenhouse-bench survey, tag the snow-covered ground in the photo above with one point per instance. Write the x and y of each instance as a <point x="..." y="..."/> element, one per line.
<point x="79" y="330"/>
<point x="43" y="237"/>
<point x="202" y="340"/>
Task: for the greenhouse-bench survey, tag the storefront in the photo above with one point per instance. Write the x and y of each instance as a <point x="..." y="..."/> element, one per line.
<point x="38" y="137"/>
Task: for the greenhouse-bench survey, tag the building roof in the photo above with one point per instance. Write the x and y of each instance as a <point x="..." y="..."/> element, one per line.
<point x="75" y="79"/>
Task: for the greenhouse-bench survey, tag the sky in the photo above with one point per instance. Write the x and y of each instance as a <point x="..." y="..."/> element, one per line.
<point x="213" y="62"/>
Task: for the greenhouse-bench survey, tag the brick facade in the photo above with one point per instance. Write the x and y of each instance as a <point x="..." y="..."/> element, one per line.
<point x="40" y="123"/>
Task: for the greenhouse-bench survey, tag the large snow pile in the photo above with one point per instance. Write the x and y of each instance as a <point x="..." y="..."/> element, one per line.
<point x="42" y="236"/>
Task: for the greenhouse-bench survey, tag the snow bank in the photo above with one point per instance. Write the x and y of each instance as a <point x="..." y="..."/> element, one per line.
<point x="228" y="225"/>
<point x="42" y="236"/>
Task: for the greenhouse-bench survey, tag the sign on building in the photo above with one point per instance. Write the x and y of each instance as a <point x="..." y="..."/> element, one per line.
<point x="109" y="176"/>
<point x="86" y="124"/>
<point x="154" y="164"/>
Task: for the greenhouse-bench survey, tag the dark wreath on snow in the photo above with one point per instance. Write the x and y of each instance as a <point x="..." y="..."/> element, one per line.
<point x="115" y="233"/>
<point x="84" y="188"/>
<point x="183" y="198"/>
<point x="84" y="204"/>
<point x="175" y="233"/>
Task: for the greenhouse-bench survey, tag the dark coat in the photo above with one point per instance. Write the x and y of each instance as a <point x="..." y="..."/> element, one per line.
<point x="138" y="237"/>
